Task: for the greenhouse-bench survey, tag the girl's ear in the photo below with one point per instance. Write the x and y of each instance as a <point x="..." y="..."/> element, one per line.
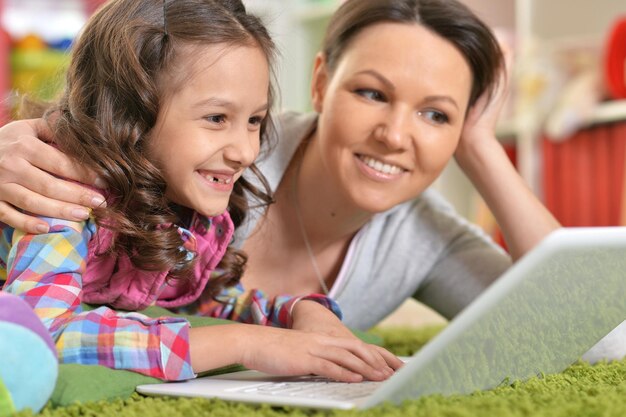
<point x="319" y="82"/>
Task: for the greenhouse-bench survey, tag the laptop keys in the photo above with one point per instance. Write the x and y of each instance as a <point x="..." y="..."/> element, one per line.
<point x="314" y="388"/>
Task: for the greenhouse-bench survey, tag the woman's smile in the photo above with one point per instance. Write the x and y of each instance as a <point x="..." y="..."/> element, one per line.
<point x="378" y="170"/>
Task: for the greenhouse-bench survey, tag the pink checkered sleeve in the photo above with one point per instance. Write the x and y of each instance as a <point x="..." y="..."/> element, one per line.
<point x="255" y="307"/>
<point x="46" y="271"/>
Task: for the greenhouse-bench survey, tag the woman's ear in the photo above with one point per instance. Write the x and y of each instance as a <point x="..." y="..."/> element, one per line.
<point x="319" y="82"/>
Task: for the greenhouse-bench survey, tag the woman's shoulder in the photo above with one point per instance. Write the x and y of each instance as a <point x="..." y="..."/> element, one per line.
<point x="429" y="216"/>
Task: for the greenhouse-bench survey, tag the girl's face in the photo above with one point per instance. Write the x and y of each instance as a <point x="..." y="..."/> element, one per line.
<point x="208" y="129"/>
<point x="391" y="113"/>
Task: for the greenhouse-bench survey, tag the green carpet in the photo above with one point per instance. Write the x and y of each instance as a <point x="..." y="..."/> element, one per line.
<point x="581" y="390"/>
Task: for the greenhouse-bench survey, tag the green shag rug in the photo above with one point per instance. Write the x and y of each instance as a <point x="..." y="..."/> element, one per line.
<point x="581" y="390"/>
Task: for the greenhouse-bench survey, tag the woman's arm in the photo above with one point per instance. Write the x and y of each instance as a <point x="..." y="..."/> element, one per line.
<point x="523" y="219"/>
<point x="28" y="167"/>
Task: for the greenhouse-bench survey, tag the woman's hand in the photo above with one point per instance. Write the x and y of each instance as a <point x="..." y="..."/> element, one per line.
<point x="482" y="118"/>
<point x="523" y="219"/>
<point x="28" y="179"/>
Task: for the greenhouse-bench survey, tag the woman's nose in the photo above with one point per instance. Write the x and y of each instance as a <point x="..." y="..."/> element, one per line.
<point x="394" y="130"/>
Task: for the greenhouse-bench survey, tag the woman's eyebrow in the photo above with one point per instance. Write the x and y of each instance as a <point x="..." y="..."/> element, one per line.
<point x="378" y="76"/>
<point x="448" y="99"/>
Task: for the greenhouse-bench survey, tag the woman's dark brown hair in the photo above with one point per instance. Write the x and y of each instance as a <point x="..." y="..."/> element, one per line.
<point x="111" y="103"/>
<point x="449" y="19"/>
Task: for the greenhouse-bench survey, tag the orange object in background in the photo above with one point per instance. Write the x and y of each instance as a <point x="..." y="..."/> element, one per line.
<point x="37" y="70"/>
<point x="615" y="60"/>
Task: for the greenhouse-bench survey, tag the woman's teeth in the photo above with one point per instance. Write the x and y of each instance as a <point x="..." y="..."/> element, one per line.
<point x="379" y="166"/>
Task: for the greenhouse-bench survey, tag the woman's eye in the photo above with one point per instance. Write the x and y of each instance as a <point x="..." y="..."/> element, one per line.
<point x="256" y="120"/>
<point x="435" y="116"/>
<point x="216" y="118"/>
<point x="371" y="94"/>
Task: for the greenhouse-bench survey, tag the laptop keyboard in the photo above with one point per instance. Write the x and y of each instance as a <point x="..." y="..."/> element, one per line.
<point x="313" y="387"/>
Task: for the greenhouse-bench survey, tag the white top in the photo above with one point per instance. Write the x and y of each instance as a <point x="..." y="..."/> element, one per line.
<point x="421" y="248"/>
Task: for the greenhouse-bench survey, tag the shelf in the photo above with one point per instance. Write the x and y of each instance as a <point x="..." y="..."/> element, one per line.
<point x="608" y="112"/>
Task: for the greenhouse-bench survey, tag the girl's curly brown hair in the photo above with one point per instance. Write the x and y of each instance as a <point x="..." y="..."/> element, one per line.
<point x="111" y="103"/>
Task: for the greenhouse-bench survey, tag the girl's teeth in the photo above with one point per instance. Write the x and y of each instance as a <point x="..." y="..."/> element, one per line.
<point x="220" y="181"/>
<point x="381" y="167"/>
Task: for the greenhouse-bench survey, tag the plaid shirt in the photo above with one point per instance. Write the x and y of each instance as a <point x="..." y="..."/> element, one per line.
<point x="46" y="271"/>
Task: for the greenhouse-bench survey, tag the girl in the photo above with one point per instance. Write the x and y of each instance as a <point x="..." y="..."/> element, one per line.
<point x="166" y="101"/>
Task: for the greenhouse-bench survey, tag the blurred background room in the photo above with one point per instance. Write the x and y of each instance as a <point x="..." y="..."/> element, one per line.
<point x="564" y="125"/>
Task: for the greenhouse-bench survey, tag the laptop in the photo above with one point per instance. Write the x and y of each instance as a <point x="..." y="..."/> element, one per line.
<point x="538" y="318"/>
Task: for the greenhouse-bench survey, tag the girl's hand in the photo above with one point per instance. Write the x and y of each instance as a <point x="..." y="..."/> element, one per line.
<point x="292" y="352"/>
<point x="26" y="165"/>
<point x="312" y="317"/>
<point x="289" y="352"/>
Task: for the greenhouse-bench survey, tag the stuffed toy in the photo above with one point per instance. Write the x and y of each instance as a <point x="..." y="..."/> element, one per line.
<point x="28" y="359"/>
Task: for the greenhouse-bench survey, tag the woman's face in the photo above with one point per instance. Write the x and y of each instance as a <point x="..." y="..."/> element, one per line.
<point x="391" y="113"/>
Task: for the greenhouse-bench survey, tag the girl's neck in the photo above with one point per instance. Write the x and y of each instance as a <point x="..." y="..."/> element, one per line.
<point x="184" y="214"/>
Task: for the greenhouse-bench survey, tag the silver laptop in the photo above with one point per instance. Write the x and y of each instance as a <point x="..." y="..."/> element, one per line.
<point x="539" y="317"/>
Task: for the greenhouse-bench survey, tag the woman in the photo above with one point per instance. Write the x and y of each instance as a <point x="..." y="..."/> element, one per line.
<point x="399" y="88"/>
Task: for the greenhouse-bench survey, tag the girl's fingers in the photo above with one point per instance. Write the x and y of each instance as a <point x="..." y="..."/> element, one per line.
<point x="392" y="360"/>
<point x="331" y="369"/>
<point x="370" y="354"/>
<point x="354" y="359"/>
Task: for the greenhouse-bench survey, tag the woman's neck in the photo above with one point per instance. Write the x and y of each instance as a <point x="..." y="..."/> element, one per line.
<point x="325" y="212"/>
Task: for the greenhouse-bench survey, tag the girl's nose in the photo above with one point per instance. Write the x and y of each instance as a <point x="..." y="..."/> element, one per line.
<point x="243" y="147"/>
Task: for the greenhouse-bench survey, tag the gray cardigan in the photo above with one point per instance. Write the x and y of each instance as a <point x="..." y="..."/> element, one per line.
<point x="420" y="248"/>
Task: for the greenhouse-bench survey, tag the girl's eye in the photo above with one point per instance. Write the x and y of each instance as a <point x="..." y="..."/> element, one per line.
<point x="371" y="94"/>
<point x="216" y="118"/>
<point x="435" y="116"/>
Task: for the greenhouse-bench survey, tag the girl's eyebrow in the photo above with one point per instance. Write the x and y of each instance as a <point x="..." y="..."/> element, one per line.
<point x="220" y="102"/>
<point x="214" y="101"/>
